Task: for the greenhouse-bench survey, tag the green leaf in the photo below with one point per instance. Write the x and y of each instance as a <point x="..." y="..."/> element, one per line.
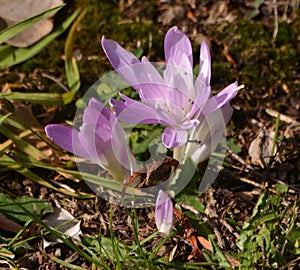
<point x="233" y="146"/>
<point x="66" y="264"/>
<point x="141" y="147"/>
<point x="11" y="164"/>
<point x="15" y="29"/>
<point x="10" y="56"/>
<point x="202" y="228"/>
<point x="190" y="200"/>
<point x="6" y="253"/>
<point x="138" y="52"/>
<point x="11" y="209"/>
<point x="266" y="238"/>
<point x="282" y="188"/>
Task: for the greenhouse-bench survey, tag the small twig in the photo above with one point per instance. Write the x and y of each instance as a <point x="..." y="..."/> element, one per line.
<point x="261" y="186"/>
<point x="275" y="19"/>
<point x="283" y="117"/>
<point x="239" y="159"/>
<point x="56" y="81"/>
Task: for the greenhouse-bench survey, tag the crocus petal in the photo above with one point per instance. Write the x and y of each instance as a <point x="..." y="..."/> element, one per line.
<point x="204" y="138"/>
<point x="164" y="212"/>
<point x="204" y="91"/>
<point x="105" y="140"/>
<point x="134" y="112"/>
<point x="180" y="82"/>
<point x="221" y="98"/>
<point x="98" y="142"/>
<point x="117" y="55"/>
<point x="178" y="49"/>
<point x="66" y="138"/>
<point x="205" y="64"/>
<point x="172" y="138"/>
<point x="96" y="111"/>
<point x="141" y="76"/>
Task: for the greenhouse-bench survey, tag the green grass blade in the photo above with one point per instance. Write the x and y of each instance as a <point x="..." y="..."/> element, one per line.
<point x="112" y="236"/>
<point x="72" y="72"/>
<point x="53" y="99"/>
<point x="65" y="264"/>
<point x="5" y="160"/>
<point x="13" y="30"/>
<point x="23" y="145"/>
<point x="11" y="56"/>
<point x="4" y="117"/>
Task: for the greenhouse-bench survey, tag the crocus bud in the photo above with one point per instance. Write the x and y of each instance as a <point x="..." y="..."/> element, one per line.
<point x="164" y="212"/>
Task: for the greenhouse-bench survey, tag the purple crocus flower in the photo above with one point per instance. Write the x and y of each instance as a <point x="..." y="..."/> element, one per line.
<point x="100" y="139"/>
<point x="175" y="99"/>
<point x="164" y="212"/>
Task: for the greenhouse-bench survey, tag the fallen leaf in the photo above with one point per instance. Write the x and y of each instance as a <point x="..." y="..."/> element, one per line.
<point x="9" y="225"/>
<point x="12" y="12"/>
<point x="172" y="13"/>
<point x="64" y="223"/>
<point x="204" y="242"/>
<point x="191" y="16"/>
<point x="260" y="149"/>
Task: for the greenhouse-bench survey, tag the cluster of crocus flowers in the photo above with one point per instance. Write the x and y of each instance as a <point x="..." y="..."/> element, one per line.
<point x="193" y="117"/>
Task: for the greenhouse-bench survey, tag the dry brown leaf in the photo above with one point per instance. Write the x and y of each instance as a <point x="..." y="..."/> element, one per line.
<point x="204" y="242"/>
<point x="65" y="223"/>
<point x="261" y="147"/>
<point x="9" y="225"/>
<point x="171" y="13"/>
<point x="14" y="11"/>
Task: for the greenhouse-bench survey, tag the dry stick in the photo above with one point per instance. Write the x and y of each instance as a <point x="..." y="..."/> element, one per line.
<point x="239" y="159"/>
<point x="275" y="20"/>
<point x="261" y="186"/>
<point x="283" y="117"/>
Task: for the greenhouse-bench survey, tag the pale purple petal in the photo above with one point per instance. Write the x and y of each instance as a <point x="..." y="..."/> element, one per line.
<point x="181" y="83"/>
<point x="178" y="49"/>
<point x="221" y="98"/>
<point x="145" y="79"/>
<point x="205" y="64"/>
<point x="141" y="76"/>
<point x="95" y="143"/>
<point x="204" y="91"/>
<point x="172" y="138"/>
<point x="101" y="139"/>
<point x="66" y="137"/>
<point x="97" y="112"/>
<point x="164" y="212"/>
<point x="134" y="112"/>
<point x="117" y="55"/>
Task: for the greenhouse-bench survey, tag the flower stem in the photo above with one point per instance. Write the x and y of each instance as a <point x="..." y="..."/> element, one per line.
<point x="178" y="153"/>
